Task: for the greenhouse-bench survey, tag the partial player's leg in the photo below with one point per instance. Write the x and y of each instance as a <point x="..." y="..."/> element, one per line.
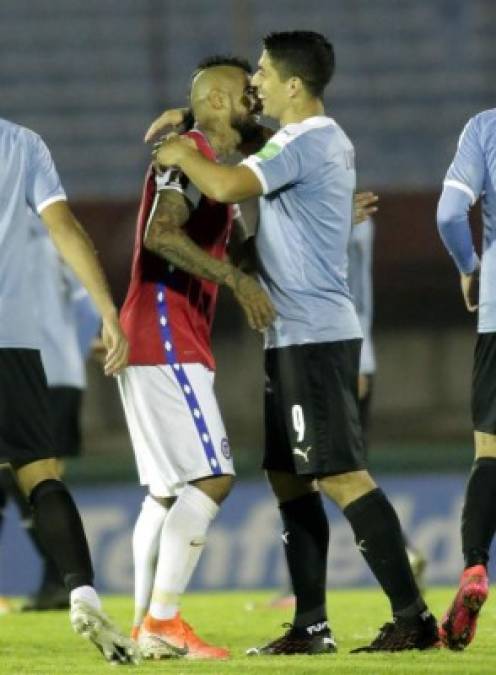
<point x="479" y="511"/>
<point x="60" y="530"/>
<point x="365" y="392"/>
<point x="26" y="441"/>
<point x="5" y="605"/>
<point x="305" y="525"/>
<point x="321" y="413"/>
<point x="181" y="449"/>
<point x="182" y="540"/>
<point x="146" y="544"/>
<point x="65" y="408"/>
<point x="10" y="488"/>
<point x="478" y="525"/>
<point x="379" y="538"/>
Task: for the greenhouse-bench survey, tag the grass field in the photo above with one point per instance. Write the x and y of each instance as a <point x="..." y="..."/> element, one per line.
<point x="44" y="643"/>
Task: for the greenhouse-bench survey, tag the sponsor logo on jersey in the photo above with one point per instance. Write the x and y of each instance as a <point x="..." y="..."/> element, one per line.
<point x="269" y="151"/>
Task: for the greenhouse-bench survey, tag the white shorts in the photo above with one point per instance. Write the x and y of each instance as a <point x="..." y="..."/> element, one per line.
<point x="175" y="425"/>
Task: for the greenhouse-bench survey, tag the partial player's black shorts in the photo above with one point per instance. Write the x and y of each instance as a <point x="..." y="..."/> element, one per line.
<point x="25" y="422"/>
<point x="484" y="384"/>
<point x="65" y="406"/>
<point x="312" y="424"/>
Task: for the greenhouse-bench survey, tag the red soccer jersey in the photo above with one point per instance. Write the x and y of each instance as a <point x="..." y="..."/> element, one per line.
<point x="168" y="313"/>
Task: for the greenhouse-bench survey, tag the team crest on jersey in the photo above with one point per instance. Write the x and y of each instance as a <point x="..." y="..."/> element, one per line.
<point x="225" y="448"/>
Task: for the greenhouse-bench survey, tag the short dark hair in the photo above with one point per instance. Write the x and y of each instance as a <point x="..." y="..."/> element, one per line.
<point x="223" y="60"/>
<point x="304" y="54"/>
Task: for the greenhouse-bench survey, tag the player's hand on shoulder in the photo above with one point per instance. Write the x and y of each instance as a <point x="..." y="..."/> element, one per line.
<point x="116" y="345"/>
<point x="169" y="150"/>
<point x="364" y="205"/>
<point x="173" y="117"/>
<point x="470" y="290"/>
<point x="256" y="304"/>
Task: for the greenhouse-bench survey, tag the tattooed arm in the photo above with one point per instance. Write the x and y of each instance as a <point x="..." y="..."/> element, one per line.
<point x="166" y="237"/>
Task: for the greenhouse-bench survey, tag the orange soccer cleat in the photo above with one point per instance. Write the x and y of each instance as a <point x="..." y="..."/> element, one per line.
<point x="175" y="638"/>
<point x="460" y="621"/>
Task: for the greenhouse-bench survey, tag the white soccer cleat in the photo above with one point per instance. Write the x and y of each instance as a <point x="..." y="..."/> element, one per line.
<point x="93" y="625"/>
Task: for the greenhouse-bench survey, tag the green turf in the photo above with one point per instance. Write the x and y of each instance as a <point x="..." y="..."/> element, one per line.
<point x="44" y="643"/>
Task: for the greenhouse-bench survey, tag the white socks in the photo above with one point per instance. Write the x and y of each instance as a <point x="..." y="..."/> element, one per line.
<point x="181" y="543"/>
<point x="86" y="594"/>
<point x="146" y="541"/>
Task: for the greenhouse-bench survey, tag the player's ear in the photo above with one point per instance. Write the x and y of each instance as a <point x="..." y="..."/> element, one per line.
<point x="217" y="99"/>
<point x="295" y="85"/>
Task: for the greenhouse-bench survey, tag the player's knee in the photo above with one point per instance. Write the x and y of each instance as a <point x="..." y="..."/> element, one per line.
<point x="287" y="486"/>
<point x="217" y="488"/>
<point x="485" y="445"/>
<point x="223" y="485"/>
<point x="166" y="502"/>
<point x="345" y="488"/>
<point x="30" y="475"/>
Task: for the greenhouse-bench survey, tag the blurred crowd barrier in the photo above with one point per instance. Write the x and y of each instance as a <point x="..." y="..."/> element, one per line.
<point x="244" y="548"/>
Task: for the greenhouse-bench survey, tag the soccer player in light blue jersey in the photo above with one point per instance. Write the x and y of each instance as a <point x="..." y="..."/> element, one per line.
<point x="305" y="179"/>
<point x="29" y="181"/>
<point x="68" y="323"/>
<point x="472" y="175"/>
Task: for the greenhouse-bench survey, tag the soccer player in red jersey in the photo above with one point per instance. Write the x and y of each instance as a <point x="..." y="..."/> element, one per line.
<point x="178" y="436"/>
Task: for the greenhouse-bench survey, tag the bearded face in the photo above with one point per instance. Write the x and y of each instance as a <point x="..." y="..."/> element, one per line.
<point x="246" y="122"/>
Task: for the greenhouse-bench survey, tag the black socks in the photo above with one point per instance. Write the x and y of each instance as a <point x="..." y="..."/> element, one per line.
<point x="380" y="540"/>
<point x="306" y="540"/>
<point x="60" y="531"/>
<point x="479" y="512"/>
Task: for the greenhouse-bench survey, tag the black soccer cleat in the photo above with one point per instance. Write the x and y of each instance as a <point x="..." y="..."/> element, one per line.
<point x="297" y="641"/>
<point x="403" y="634"/>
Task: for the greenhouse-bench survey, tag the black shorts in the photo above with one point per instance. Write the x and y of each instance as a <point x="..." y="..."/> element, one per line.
<point x="25" y="422"/>
<point x="312" y="424"/>
<point x="65" y="408"/>
<point x="484" y="384"/>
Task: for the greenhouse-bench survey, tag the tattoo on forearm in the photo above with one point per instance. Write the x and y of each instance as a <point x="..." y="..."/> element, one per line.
<point x="180" y="250"/>
<point x="166" y="238"/>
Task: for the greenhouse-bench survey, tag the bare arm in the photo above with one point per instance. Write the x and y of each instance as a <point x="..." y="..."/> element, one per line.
<point x="77" y="250"/>
<point x="221" y="182"/>
<point x="165" y="237"/>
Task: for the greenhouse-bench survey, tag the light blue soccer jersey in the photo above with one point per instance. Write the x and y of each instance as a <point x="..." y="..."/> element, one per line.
<point x="308" y="178"/>
<point x="63" y="311"/>
<point x="28" y="180"/>
<point x="472" y="174"/>
<point x="360" y="250"/>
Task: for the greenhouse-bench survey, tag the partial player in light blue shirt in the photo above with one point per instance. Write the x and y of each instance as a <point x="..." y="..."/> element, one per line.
<point x="360" y="251"/>
<point x="472" y="175"/>
<point x="64" y="312"/>
<point x="29" y="179"/>
<point x="307" y="175"/>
